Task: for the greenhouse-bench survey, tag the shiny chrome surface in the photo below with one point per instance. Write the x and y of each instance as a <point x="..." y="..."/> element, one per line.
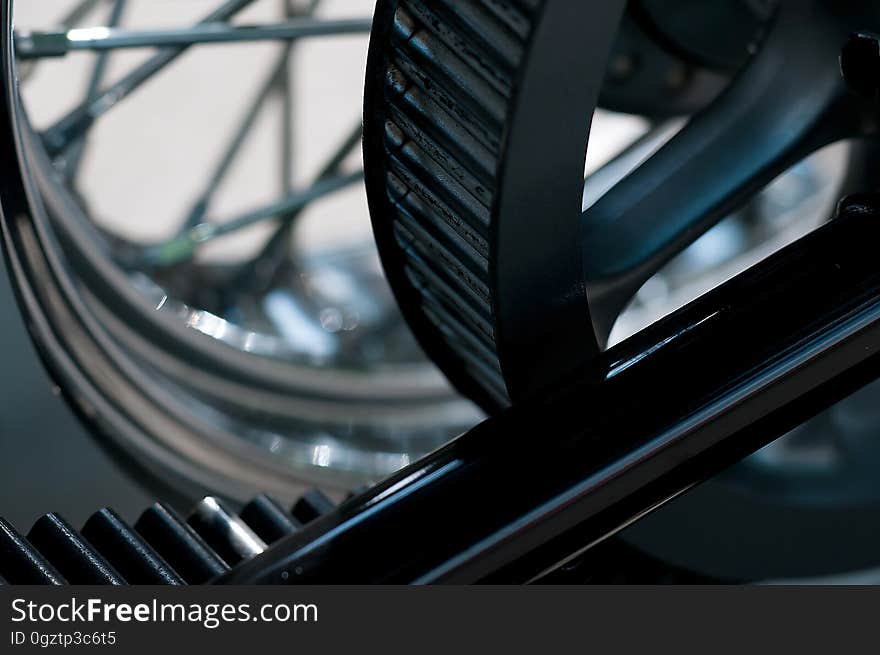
<point x="302" y="373"/>
<point x="35" y="45"/>
<point x="224" y="531"/>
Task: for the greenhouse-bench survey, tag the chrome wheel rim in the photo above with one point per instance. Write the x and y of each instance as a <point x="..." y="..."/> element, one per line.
<point x="266" y="409"/>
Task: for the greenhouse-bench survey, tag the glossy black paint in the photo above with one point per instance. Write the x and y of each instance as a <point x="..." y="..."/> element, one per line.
<point x="127" y="551"/>
<point x="179" y="545"/>
<point x="615" y="562"/>
<point x="268" y="519"/>
<point x="860" y="64"/>
<point x="312" y="505"/>
<point x="74" y="556"/>
<point x="21" y="563"/>
<point x="528" y="490"/>
<point x="160" y="550"/>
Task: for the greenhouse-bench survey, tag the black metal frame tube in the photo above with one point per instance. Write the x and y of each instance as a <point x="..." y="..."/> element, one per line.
<point x="537" y="485"/>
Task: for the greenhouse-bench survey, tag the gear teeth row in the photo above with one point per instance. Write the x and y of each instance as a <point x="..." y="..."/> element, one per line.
<point x="450" y="73"/>
<point x="162" y="548"/>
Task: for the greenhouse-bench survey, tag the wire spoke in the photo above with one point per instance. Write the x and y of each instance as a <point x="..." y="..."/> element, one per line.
<point x="66" y="139"/>
<point x="76" y="123"/>
<point x="73" y="17"/>
<point x="37" y="45"/>
<point x="200" y="207"/>
<point x="286" y="88"/>
<point x="74" y="154"/>
<point x="265" y="265"/>
<point x="183" y="247"/>
<point x="292" y="203"/>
